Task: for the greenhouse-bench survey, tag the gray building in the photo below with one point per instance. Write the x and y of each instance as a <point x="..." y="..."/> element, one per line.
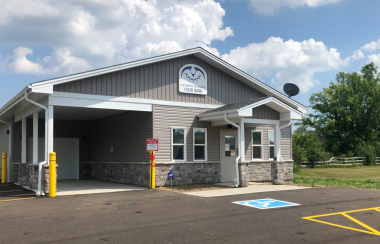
<point x="214" y="123"/>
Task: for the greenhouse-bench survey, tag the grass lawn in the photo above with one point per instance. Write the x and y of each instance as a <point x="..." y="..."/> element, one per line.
<point x="361" y="177"/>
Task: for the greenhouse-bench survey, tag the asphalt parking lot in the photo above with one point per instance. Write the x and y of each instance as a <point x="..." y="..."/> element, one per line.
<point x="156" y="216"/>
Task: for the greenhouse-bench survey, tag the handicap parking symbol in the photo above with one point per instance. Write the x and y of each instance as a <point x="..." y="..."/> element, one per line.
<point x="266" y="203"/>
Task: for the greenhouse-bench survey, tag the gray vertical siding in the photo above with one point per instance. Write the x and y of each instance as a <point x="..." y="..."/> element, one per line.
<point x="126" y="133"/>
<point x="160" y="81"/>
<point x="4" y="139"/>
<point x="164" y="117"/>
<point x="16" y="143"/>
<point x="286" y="141"/>
<point x="265" y="112"/>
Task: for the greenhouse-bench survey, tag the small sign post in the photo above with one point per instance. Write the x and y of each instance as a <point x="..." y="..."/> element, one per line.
<point x="171" y="176"/>
<point x="152" y="147"/>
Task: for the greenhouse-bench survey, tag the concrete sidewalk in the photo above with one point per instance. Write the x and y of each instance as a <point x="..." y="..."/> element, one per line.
<point x="252" y="188"/>
<point x="80" y="187"/>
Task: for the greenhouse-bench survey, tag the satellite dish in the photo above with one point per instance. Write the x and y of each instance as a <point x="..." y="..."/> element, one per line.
<point x="291" y="89"/>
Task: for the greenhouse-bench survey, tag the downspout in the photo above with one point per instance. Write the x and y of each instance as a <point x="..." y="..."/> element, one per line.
<point x="9" y="148"/>
<point x="38" y="193"/>
<point x="238" y="157"/>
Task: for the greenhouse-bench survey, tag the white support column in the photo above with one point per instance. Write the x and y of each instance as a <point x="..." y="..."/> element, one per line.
<point x="242" y="141"/>
<point x="35" y="138"/>
<point x="50" y="135"/>
<point x="23" y="140"/>
<point x="277" y="142"/>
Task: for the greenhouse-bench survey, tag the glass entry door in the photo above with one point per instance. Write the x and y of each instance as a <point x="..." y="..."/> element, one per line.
<point x="228" y="154"/>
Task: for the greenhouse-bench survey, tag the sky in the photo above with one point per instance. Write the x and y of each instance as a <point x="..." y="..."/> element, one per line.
<point x="306" y="42"/>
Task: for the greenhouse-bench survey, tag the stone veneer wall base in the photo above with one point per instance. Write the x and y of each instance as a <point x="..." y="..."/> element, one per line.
<point x="27" y="175"/>
<point x="138" y="173"/>
<point x="269" y="171"/>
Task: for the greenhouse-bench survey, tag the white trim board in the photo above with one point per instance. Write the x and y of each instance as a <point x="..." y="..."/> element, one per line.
<point x="99" y="104"/>
<point x="112" y="102"/>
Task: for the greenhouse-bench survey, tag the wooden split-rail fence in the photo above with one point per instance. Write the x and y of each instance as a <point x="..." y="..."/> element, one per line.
<point x="335" y="161"/>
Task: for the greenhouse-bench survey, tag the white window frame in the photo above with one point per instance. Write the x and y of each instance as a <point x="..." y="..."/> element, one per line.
<point x="261" y="145"/>
<point x="184" y="143"/>
<point x="205" y="145"/>
<point x="269" y="145"/>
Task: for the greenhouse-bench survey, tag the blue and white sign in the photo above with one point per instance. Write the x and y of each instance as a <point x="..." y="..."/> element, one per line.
<point x="192" y="79"/>
<point x="266" y="203"/>
<point x="171" y="175"/>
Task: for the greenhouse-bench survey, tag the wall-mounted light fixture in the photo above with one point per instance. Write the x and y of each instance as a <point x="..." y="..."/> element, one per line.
<point x="229" y="126"/>
<point x="7" y="132"/>
<point x="84" y="138"/>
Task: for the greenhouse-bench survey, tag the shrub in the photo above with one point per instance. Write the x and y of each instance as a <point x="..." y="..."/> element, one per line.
<point x="367" y="151"/>
<point x="296" y="168"/>
<point x="299" y="155"/>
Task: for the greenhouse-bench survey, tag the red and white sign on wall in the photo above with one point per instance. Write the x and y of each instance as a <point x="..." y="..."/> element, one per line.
<point x="151" y="145"/>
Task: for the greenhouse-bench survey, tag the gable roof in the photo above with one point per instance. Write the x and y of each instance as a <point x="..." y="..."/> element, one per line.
<point x="235" y="106"/>
<point x="46" y="86"/>
<point x="198" y="52"/>
<point x="244" y="109"/>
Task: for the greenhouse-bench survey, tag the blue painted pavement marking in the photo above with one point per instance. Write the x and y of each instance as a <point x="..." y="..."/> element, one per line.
<point x="266" y="203"/>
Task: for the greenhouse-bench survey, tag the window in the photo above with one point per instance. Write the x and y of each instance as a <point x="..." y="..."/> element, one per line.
<point x="271" y="144"/>
<point x="200" y="144"/>
<point x="256" y="144"/>
<point x="178" y="144"/>
<point x="230" y="149"/>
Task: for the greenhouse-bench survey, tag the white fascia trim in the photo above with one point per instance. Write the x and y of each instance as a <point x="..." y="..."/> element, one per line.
<point x="30" y="110"/>
<point x="219" y="117"/>
<point x="303" y="110"/>
<point x="99" y="104"/>
<point x="114" y="99"/>
<point x="163" y="58"/>
<point x="247" y="110"/>
<point x="268" y="100"/>
<point x="16" y="99"/>
<point x="43" y="89"/>
<point x="290" y="116"/>
<point x="217" y="113"/>
<point x="261" y="121"/>
<point x="223" y="122"/>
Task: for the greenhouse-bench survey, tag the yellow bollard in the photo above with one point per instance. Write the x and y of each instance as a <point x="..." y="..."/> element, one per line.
<point x="150" y="169"/>
<point x="4" y="169"/>
<point x="153" y="170"/>
<point x="52" y="175"/>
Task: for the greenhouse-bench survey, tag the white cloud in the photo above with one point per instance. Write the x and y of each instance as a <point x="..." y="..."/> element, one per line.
<point x="90" y="34"/>
<point x="21" y="64"/>
<point x="60" y="62"/>
<point x="286" y="61"/>
<point x="374" y="58"/>
<point x="357" y="54"/>
<point x="271" y="6"/>
<point x="371" y="46"/>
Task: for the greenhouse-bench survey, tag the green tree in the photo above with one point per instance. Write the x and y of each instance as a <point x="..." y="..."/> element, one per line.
<point x="346" y="114"/>
<point x="307" y="146"/>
